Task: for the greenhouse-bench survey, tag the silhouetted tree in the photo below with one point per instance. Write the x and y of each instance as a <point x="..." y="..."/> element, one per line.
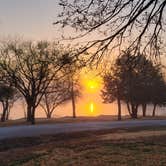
<point x="72" y="66"/>
<point x="7" y="97"/>
<point x="56" y="94"/>
<point x="134" y="77"/>
<point x="112" y="88"/>
<point x="138" y="22"/>
<point x="15" y="98"/>
<point x="158" y="92"/>
<point x="139" y="76"/>
<point x="30" y="68"/>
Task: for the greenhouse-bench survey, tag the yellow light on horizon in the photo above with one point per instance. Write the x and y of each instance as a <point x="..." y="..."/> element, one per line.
<point x="91" y="107"/>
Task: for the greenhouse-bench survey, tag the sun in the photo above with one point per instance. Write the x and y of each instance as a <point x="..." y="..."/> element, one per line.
<point x="92" y="84"/>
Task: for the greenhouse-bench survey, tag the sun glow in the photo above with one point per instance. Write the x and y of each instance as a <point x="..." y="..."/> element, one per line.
<point x="91" y="107"/>
<point x="92" y="84"/>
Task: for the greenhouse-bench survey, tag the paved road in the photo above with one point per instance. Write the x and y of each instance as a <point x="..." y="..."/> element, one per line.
<point x="30" y="131"/>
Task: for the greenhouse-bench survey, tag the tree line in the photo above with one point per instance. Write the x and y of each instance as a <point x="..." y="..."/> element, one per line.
<point x="40" y="73"/>
<point x="47" y="75"/>
<point x="136" y="81"/>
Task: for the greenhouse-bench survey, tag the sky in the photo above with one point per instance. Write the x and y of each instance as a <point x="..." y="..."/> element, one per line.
<point x="30" y="19"/>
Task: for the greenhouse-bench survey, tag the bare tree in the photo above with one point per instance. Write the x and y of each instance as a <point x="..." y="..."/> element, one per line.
<point x="72" y="67"/>
<point x="30" y="68"/>
<point x="56" y="94"/>
<point x="16" y="96"/>
<point x="137" y="25"/>
<point x="7" y="98"/>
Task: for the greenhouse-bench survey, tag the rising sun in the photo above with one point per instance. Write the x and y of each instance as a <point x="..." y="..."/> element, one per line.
<point x="91" y="81"/>
<point x="92" y="84"/>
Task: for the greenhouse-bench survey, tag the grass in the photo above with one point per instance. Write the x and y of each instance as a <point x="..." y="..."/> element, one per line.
<point x="88" y="148"/>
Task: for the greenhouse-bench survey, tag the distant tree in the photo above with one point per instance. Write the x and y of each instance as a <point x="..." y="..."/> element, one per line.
<point x="158" y="92"/>
<point x="30" y="68"/>
<point x="7" y="98"/>
<point x="115" y="22"/>
<point x="72" y="68"/>
<point x="136" y="76"/>
<point x="17" y="96"/>
<point x="139" y="79"/>
<point x="56" y="94"/>
<point x="112" y="90"/>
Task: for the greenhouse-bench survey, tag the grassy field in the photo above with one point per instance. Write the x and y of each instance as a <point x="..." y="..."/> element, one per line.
<point x="135" y="146"/>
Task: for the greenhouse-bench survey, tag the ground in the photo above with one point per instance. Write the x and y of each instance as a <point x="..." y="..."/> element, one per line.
<point x="20" y="122"/>
<point x="123" y="146"/>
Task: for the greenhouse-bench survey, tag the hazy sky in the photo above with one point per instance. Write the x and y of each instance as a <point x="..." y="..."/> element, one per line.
<point x="30" y="19"/>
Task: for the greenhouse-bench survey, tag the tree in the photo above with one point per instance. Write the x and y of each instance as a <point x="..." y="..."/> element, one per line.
<point x="16" y="96"/>
<point x="7" y="97"/>
<point x="137" y="77"/>
<point x="72" y="67"/>
<point x="30" y="68"/>
<point x="112" y="89"/>
<point x="140" y="23"/>
<point x="56" y="94"/>
<point x="158" y="92"/>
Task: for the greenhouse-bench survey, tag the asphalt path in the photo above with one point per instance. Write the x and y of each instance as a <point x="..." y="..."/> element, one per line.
<point x="52" y="129"/>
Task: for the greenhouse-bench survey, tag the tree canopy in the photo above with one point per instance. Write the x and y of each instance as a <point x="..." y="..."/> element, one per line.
<point x="30" y="68"/>
<point x="136" y="81"/>
<point x="139" y="23"/>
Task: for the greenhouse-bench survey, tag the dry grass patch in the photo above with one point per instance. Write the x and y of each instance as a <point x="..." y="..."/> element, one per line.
<point x="132" y="135"/>
<point x="147" y="147"/>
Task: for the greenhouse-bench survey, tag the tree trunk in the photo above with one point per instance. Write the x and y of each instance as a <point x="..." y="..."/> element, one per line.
<point x="5" y="105"/>
<point x="144" y="110"/>
<point x="47" y="109"/>
<point x="49" y="115"/>
<point x="33" y="116"/>
<point x="3" y="116"/>
<point x="73" y="101"/>
<point x="29" y="110"/>
<point x="129" y="110"/>
<point x="134" y="109"/>
<point x="154" y="110"/>
<point x="7" y="114"/>
<point x="119" y="109"/>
